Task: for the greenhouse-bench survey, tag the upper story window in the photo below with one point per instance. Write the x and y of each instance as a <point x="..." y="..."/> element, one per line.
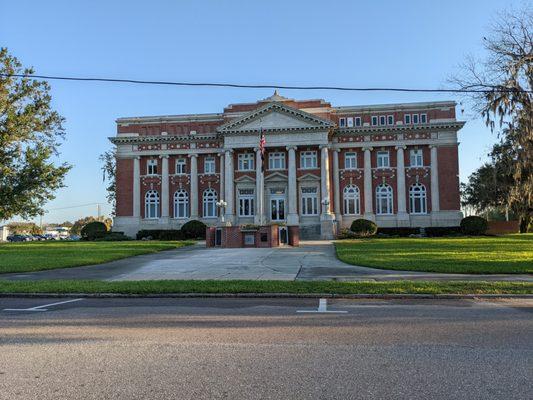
<point x="276" y="160"/>
<point x="209" y="165"/>
<point x="349" y="122"/>
<point x="342" y="122"/>
<point x="246" y="162"/>
<point x="423" y="118"/>
<point x="416" y="158"/>
<point x="415" y="119"/>
<point x="151" y="167"/>
<point x="383" y="159"/>
<point x="357" y="121"/>
<point x="374" y="120"/>
<point x="407" y="119"/>
<point x="350" y="160"/>
<point x="308" y="160"/>
<point x="390" y="119"/>
<point x="382" y="120"/>
<point x="180" y="166"/>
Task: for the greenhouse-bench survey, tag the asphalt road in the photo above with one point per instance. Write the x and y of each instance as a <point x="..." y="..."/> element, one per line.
<point x="265" y="349"/>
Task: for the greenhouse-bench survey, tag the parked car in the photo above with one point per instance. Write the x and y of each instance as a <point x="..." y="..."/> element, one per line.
<point x="18" y="238"/>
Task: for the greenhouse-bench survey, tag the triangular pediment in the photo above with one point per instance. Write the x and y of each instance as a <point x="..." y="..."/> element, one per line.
<point x="275" y="117"/>
<point x="275" y="176"/>
<point x="244" y="179"/>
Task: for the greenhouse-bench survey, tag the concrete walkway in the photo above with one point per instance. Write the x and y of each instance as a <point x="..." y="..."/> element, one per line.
<point x="314" y="260"/>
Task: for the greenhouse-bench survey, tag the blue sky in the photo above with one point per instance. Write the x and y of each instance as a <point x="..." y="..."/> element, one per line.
<point x="351" y="43"/>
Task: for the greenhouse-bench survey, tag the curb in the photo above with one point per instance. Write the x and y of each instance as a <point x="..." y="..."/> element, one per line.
<point x="268" y="296"/>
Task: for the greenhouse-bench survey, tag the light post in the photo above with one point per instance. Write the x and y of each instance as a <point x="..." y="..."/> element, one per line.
<point x="221" y="204"/>
<point x="325" y="205"/>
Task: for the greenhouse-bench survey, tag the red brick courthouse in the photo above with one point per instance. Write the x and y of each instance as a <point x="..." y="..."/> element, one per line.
<point x="324" y="166"/>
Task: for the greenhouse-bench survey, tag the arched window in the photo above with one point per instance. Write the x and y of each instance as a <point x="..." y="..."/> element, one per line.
<point x="181" y="204"/>
<point x="151" y="204"/>
<point x="418" y="199"/>
<point x="352" y="200"/>
<point x="384" y="199"/>
<point x="210" y="206"/>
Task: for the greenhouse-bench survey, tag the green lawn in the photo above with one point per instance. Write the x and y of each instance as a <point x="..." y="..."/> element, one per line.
<point x="36" y="256"/>
<point x="242" y="286"/>
<point x="509" y="254"/>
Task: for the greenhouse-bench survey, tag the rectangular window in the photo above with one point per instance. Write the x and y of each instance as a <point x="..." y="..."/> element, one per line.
<point x="415" y="118"/>
<point x="416" y="158"/>
<point x="246" y="162"/>
<point x="423" y="118"/>
<point x="407" y="119"/>
<point x="342" y="122"/>
<point x="350" y="161"/>
<point x="308" y="160"/>
<point x="383" y="159"/>
<point x="382" y="120"/>
<point x="151" y="167"/>
<point x="209" y="165"/>
<point x="246" y="202"/>
<point x="276" y="160"/>
<point x="349" y="122"/>
<point x="309" y="201"/>
<point x="357" y="121"/>
<point x="180" y="166"/>
<point x="374" y="121"/>
<point x="390" y="120"/>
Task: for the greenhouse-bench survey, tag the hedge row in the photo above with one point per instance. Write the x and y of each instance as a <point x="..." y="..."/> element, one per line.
<point x="190" y="230"/>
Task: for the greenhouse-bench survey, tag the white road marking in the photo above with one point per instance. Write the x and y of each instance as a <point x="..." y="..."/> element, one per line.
<point x="322" y="308"/>
<point x="43" y="307"/>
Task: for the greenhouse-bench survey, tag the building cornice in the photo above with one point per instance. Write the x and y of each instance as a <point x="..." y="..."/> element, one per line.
<point x="456" y="125"/>
<point x="162" y="139"/>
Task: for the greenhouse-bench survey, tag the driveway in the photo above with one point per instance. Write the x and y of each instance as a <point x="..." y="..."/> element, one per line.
<point x="313" y="260"/>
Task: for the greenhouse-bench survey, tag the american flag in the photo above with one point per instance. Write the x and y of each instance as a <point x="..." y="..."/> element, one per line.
<point x="262" y="142"/>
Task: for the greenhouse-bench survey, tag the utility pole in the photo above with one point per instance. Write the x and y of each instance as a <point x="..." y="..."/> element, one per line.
<point x="98" y="210"/>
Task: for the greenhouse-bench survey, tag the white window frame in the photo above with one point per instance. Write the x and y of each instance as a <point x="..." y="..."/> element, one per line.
<point x="342" y="122"/>
<point x="210" y="165"/>
<point x="209" y="203"/>
<point x="308" y="159"/>
<point x="384" y="200"/>
<point x="390" y="119"/>
<point x="276" y="161"/>
<point x="350" y="160"/>
<point x="309" y="201"/>
<point x="407" y="119"/>
<point x="416" y="158"/>
<point x="151" y="204"/>
<point x="349" y="122"/>
<point x="352" y="200"/>
<point x="417" y="197"/>
<point x="358" y="121"/>
<point x="181" y="204"/>
<point x="417" y="117"/>
<point x="423" y="117"/>
<point x="245" y="162"/>
<point x="181" y="166"/>
<point x="246" y="197"/>
<point x="381" y="157"/>
<point x="382" y="120"/>
<point x="374" y="120"/>
<point x="151" y="167"/>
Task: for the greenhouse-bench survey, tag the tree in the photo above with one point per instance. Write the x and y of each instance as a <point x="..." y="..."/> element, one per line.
<point x="76" y="227"/>
<point x="30" y="134"/>
<point x="109" y="165"/>
<point x="503" y="85"/>
<point x="24" y="228"/>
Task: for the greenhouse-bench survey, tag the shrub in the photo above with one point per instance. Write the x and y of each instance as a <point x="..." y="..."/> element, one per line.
<point x="474" y="226"/>
<point x="364" y="227"/>
<point x="93" y="230"/>
<point x="345" y="233"/>
<point x="160" y="234"/>
<point x="402" y="231"/>
<point x="113" y="237"/>
<point x="194" y="230"/>
<point x="439" y="231"/>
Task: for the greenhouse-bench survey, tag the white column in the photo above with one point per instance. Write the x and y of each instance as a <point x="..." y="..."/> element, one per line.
<point x="137" y="187"/>
<point x="400" y="186"/>
<point x="228" y="190"/>
<point x="259" y="190"/>
<point x="292" y="217"/>
<point x="194" y="186"/>
<point x="435" y="204"/>
<point x="336" y="187"/>
<point x="222" y="176"/>
<point x="164" y="190"/>
<point x="369" y="214"/>
<point x="324" y="179"/>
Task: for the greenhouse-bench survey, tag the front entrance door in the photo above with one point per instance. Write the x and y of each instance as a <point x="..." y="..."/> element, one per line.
<point x="277" y="208"/>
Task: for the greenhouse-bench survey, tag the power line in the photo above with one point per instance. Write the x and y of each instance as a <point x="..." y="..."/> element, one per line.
<point x="78" y="206"/>
<point x="264" y="86"/>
